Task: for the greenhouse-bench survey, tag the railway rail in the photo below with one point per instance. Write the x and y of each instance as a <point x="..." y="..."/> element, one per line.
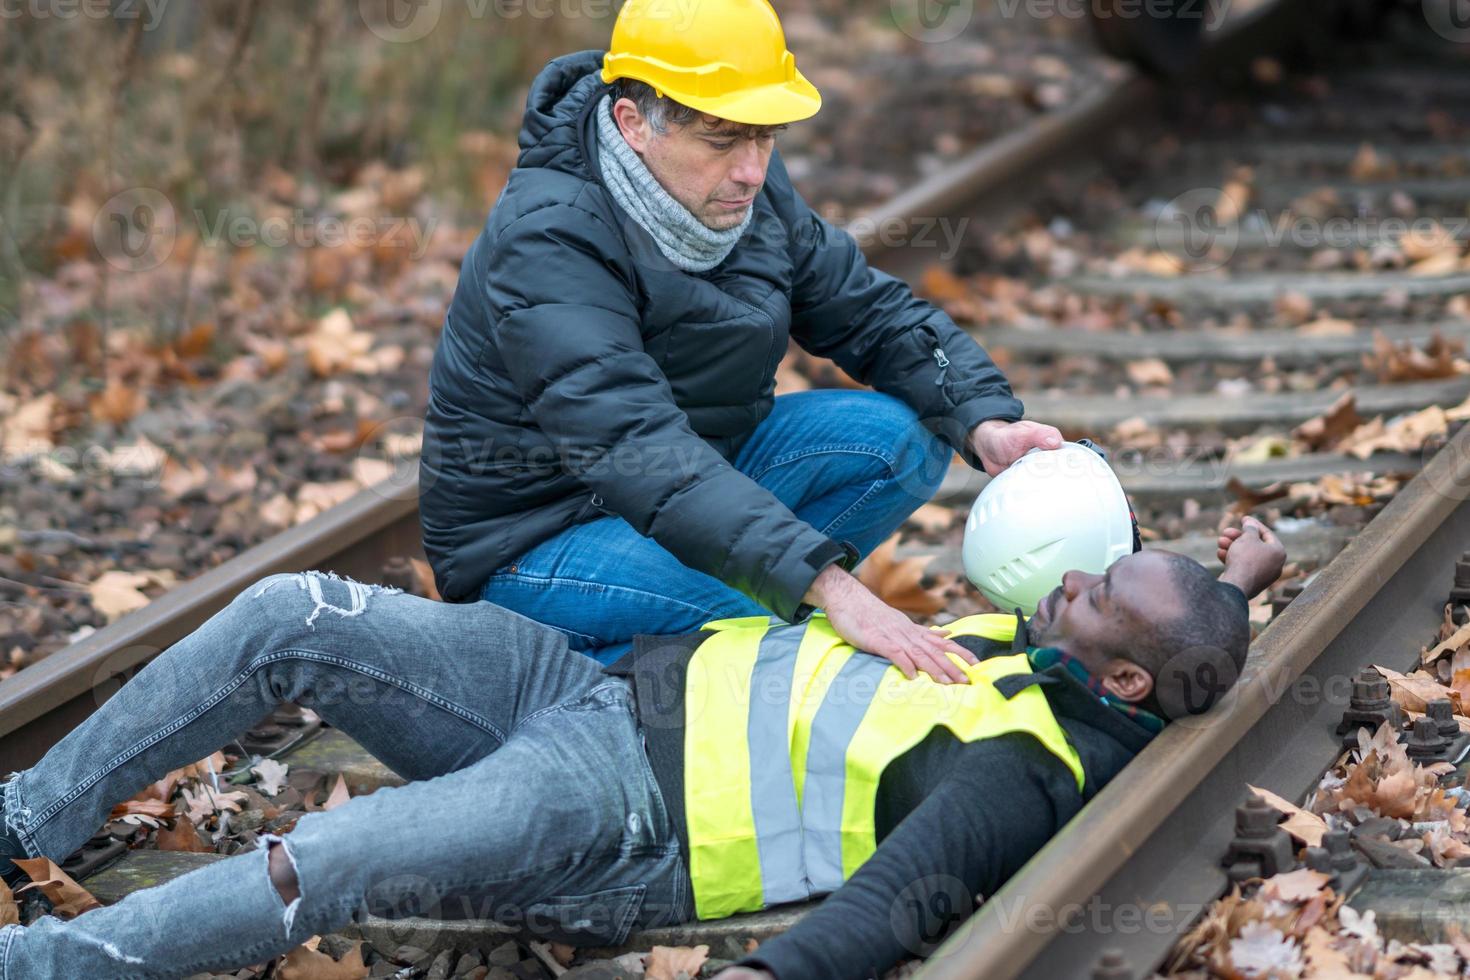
<point x="1154" y="838"/>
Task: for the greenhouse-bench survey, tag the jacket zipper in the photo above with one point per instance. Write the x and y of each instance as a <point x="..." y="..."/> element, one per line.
<point x="940" y="358"/>
<point x="943" y="363"/>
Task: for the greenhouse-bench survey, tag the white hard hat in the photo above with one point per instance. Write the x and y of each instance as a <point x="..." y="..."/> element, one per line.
<point x="1049" y="512"/>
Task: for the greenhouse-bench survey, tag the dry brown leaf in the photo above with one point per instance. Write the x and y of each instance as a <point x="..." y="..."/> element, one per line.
<point x="206" y="768"/>
<point x="68" y="898"/>
<point x="933" y="519"/>
<point x="9" y="911"/>
<point x="1149" y="372"/>
<point x="307" y="963"/>
<point x="205" y="802"/>
<point x="117" y="403"/>
<point x="339" y="794"/>
<point x="1338" y="422"/>
<point x="423" y="572"/>
<point x="1295" y="886"/>
<point x="675" y="962"/>
<point x="1405" y="362"/>
<point x="1407" y="435"/>
<point x="1305" y="826"/>
<point x="896" y="581"/>
<point x="116" y="593"/>
<point x="1248" y="498"/>
<point x="278" y="511"/>
<point x="313" y="498"/>
<point x="1440" y="264"/>
<point x="182" y="836"/>
<point x="1312" y="913"/>
<point x="1325" y="959"/>
<point x="26" y="429"/>
<point x="195" y="341"/>
<point x="1326" y="326"/>
<point x="336" y="345"/>
<point x="181" y="478"/>
<point x="1460" y="675"/>
<point x="145" y="804"/>
<point x="1450" y="644"/>
<point x="942" y="286"/>
<point x="1368" y="165"/>
<point x="1414" y="691"/>
<point x="1394" y="795"/>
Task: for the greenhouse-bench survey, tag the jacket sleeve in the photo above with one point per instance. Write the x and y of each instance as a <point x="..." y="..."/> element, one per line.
<point x="873" y="326"/>
<point x="981" y="820"/>
<point x="560" y="288"/>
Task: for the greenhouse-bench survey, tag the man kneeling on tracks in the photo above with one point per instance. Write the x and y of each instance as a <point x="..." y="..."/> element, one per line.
<point x="749" y="764"/>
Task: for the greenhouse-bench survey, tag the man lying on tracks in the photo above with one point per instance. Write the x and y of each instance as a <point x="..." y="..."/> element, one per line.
<point x="581" y="802"/>
<point x="603" y="451"/>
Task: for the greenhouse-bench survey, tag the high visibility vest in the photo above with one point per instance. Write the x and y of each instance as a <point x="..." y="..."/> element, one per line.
<point x="787" y="732"/>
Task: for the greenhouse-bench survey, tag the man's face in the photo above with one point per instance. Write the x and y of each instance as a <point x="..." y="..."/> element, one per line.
<point x="706" y="165"/>
<point x="1091" y="616"/>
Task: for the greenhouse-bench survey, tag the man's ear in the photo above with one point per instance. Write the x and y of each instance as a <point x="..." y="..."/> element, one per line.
<point x="631" y="124"/>
<point x="1126" y="680"/>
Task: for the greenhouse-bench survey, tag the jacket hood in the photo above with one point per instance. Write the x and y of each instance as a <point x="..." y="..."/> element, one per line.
<point x="555" y="130"/>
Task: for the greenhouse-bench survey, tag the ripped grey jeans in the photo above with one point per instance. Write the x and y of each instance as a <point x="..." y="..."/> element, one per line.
<point x="530" y="797"/>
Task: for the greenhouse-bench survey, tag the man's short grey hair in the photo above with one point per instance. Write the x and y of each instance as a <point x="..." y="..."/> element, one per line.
<point x="663" y="112"/>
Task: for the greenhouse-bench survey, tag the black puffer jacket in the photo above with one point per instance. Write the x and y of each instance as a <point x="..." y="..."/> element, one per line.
<point x="581" y="374"/>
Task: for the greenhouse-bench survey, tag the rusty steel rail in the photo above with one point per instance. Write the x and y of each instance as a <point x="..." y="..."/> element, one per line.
<point x="40" y="704"/>
<point x="1131" y="872"/>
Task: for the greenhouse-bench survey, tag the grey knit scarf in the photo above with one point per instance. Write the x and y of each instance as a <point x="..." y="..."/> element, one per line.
<point x="680" y="236"/>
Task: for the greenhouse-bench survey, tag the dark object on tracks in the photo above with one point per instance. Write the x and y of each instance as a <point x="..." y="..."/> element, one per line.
<point x="1369" y="707"/>
<point x="1424" y="743"/>
<point x="1460" y="594"/>
<point x="1442" y="713"/>
<point x="1260" y="848"/>
<point x="1336" y="857"/>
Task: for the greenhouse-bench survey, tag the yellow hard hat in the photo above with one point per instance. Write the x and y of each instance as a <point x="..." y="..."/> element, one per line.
<point x="724" y="57"/>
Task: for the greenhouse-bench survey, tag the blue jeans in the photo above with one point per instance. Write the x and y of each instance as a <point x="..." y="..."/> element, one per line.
<point x="530" y="799"/>
<point x="852" y="464"/>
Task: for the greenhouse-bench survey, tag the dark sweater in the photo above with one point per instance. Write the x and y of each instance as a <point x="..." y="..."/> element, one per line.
<point x="954" y="819"/>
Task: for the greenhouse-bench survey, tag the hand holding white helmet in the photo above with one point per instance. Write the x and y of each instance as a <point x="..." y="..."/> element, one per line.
<point x="1049" y="512"/>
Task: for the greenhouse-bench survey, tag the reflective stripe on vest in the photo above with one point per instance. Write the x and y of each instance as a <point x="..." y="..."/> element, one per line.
<point x="787" y="811"/>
